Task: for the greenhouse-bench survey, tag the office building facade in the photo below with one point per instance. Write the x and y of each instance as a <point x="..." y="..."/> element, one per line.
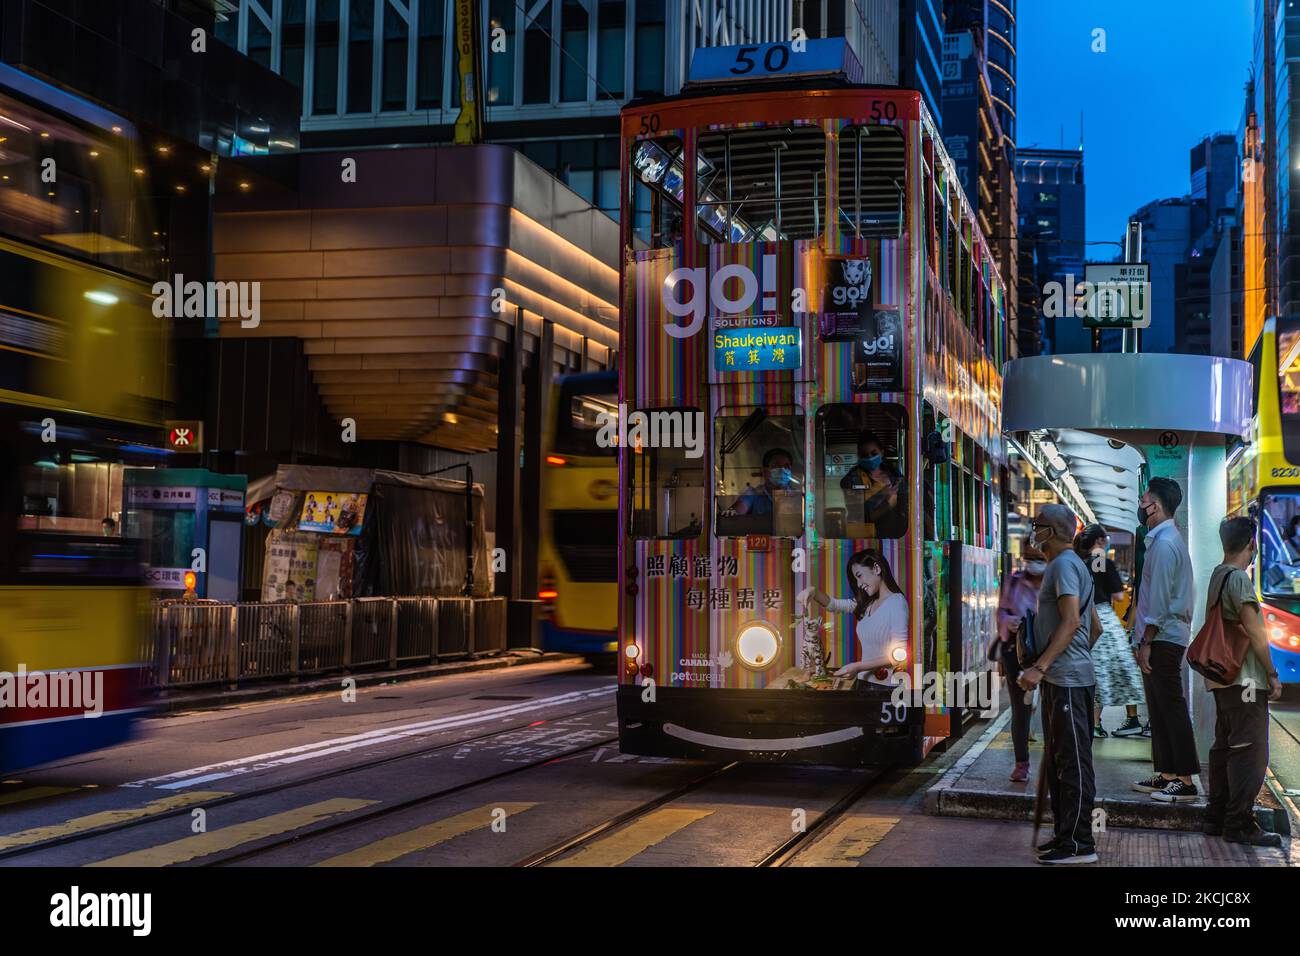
<point x="1051" y="234"/>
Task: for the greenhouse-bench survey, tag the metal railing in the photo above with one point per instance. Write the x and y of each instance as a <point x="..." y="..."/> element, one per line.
<point x="207" y="642"/>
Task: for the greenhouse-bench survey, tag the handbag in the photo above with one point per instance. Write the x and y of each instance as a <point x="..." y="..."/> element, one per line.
<point x="1027" y="649"/>
<point x="1220" y="647"/>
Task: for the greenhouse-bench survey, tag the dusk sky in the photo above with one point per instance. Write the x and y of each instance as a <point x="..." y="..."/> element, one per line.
<point x="1172" y="73"/>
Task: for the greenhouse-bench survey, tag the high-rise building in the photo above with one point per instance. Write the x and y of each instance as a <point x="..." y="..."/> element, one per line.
<point x="996" y="20"/>
<point x="921" y="51"/>
<point x="1051" y="234"/>
<point x="1167" y="242"/>
<point x="1251" y="199"/>
<point x="982" y="151"/>
<point x="1285" y="150"/>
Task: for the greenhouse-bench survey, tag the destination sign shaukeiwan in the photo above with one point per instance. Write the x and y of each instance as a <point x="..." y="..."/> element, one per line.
<point x="757" y="349"/>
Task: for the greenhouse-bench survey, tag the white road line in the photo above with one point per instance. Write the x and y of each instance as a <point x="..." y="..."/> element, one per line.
<point x="323" y="748"/>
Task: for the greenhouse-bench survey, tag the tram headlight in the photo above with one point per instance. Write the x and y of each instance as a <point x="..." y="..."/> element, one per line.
<point x="757" y="645"/>
<point x="632" y="651"/>
<point x="898" y="655"/>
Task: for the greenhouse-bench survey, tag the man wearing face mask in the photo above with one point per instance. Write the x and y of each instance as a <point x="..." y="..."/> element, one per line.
<point x="874" y="490"/>
<point x="777" y="475"/>
<point x="1162" y="628"/>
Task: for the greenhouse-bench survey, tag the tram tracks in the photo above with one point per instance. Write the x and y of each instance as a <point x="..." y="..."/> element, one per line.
<point x="324" y="775"/>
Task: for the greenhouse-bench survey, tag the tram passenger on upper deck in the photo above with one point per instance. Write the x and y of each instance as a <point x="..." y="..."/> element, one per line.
<point x="874" y="490"/>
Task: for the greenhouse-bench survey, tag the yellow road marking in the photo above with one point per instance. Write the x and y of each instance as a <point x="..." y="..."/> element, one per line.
<point x="190" y="848"/>
<point x="33" y="793"/>
<point x="104" y="819"/>
<point x="848" y="842"/>
<point x="621" y="846"/>
<point x="421" y="838"/>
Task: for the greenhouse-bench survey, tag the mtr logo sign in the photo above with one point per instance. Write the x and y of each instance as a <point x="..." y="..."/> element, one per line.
<point x="185" y="437"/>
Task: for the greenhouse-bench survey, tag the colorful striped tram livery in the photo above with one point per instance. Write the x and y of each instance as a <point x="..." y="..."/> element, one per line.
<point x="812" y="336"/>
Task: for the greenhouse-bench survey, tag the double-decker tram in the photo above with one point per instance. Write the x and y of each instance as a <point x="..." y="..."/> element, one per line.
<point x="1264" y="482"/>
<point x="811" y="454"/>
<point x="82" y="390"/>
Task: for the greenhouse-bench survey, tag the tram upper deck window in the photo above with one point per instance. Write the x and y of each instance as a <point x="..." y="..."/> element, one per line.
<point x="871" y="181"/>
<point x="861" y="490"/>
<point x="760" y="473"/>
<point x="761" y="184"/>
<point x="658" y="191"/>
<point x="94" y="210"/>
<point x="667" y="472"/>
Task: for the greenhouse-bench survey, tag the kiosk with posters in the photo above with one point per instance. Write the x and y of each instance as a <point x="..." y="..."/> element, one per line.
<point x="180" y="510"/>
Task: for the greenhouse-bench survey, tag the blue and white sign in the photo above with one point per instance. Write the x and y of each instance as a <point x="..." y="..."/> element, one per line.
<point x="757" y="349"/>
<point x="730" y="64"/>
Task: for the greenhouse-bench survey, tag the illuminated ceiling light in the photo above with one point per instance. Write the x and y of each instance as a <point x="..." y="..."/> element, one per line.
<point x="205" y="168"/>
<point x="245" y="186"/>
<point x="180" y="188"/>
<point x="259" y="129"/>
<point x="139" y="171"/>
<point x="45" y="136"/>
<point x="164" y="150"/>
<point x="94" y="154"/>
<point x="117" y="129"/>
<point x="100" y="297"/>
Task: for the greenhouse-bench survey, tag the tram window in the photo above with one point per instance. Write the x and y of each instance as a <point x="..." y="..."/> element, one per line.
<point x="764" y="184"/>
<point x="861" y="489"/>
<point x="759" y="473"/>
<point x="871" y="181"/>
<point x="667" y="483"/>
<point x="658" y="190"/>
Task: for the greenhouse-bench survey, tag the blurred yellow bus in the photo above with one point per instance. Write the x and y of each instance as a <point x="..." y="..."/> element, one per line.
<point x="578" y="552"/>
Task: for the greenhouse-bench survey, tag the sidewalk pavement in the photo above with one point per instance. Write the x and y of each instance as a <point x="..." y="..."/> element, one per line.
<point x="977" y="785"/>
<point x="223" y="695"/>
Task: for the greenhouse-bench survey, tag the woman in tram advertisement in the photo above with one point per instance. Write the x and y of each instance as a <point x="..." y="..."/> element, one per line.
<point x="879" y="610"/>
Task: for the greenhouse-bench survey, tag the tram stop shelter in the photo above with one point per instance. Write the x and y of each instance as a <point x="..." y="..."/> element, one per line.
<point x="1097" y="427"/>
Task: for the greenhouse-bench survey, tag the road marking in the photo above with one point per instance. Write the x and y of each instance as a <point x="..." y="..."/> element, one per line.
<point x="848" y="841"/>
<point x="33" y="793"/>
<point x="621" y="846"/>
<point x="190" y="848"/>
<point x="105" y="818"/>
<point x="422" y="838"/>
<point x="323" y="748"/>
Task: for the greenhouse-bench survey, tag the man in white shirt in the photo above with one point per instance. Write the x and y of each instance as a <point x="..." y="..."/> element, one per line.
<point x="1162" y="629"/>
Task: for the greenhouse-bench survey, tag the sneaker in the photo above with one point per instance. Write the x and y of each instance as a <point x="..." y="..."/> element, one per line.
<point x="1130" y="728"/>
<point x="1021" y="773"/>
<point x="1146" y="730"/>
<point x="1177" y="792"/>
<point x="1049" y="845"/>
<point x="1063" y="856"/>
<point x="1099" y="731"/>
<point x="1151" y="784"/>
<point x="1256" y="837"/>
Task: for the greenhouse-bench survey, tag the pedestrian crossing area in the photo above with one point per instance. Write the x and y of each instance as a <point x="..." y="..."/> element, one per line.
<point x="847" y="842"/>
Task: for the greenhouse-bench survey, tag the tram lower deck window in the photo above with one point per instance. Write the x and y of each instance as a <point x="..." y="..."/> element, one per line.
<point x="759" y="473"/>
<point x="861" y="489"/>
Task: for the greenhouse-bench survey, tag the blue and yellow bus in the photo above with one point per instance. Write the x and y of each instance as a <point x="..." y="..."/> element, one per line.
<point x="82" y="396"/>
<point x="1264" y="482"/>
<point x="578" y="551"/>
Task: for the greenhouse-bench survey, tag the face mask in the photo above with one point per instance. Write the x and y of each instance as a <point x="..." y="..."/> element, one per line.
<point x="1035" y="567"/>
<point x="1145" y="513"/>
<point x="779" y="476"/>
<point x="872" y="462"/>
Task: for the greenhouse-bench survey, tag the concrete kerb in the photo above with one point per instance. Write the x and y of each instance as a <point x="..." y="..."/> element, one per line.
<point x="211" y="698"/>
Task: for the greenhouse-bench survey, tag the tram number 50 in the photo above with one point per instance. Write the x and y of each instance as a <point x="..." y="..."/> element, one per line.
<point x="891" y="713"/>
<point x="776" y="59"/>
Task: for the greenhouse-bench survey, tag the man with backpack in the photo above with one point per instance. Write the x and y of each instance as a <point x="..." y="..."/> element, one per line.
<point x="1239" y="756"/>
<point x="1064" y="630"/>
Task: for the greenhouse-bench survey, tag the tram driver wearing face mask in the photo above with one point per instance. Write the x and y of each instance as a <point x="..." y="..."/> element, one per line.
<point x="776" y="502"/>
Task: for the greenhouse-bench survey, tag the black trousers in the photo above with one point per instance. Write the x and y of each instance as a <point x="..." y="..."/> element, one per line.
<point x="1238" y="758"/>
<point x="1067" y="724"/>
<point x="1020" y="711"/>
<point x="1173" y="745"/>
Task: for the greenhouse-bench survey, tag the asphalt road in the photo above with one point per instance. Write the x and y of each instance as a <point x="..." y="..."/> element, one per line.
<point x="508" y="767"/>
